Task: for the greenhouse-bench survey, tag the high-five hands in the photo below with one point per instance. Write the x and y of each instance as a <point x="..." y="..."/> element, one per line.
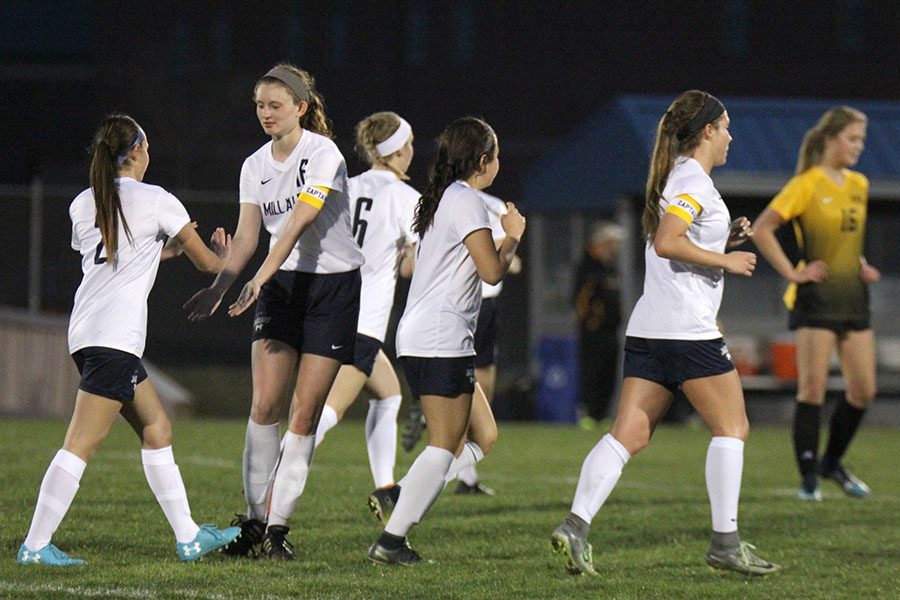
<point x="247" y="297"/>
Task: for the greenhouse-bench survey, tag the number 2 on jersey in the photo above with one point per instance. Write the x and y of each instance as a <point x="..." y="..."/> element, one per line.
<point x="99" y="257"/>
<point x="360" y="224"/>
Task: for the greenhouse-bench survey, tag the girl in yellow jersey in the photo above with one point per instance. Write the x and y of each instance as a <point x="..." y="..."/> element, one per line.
<point x="828" y="295"/>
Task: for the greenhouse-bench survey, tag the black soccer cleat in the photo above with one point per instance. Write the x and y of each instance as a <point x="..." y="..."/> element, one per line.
<point x="275" y="545"/>
<point x="404" y="555"/>
<point x="382" y="502"/>
<point x="246" y="543"/>
<point x="415" y="425"/>
<point x="478" y="489"/>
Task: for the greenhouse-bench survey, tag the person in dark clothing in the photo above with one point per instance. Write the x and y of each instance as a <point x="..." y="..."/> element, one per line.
<point x="598" y="308"/>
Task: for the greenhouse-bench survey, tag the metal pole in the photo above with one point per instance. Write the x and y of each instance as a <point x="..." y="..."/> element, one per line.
<point x="36" y="192"/>
<point x="536" y="285"/>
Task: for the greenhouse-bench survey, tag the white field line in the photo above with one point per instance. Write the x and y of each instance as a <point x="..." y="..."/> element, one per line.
<point x="128" y="592"/>
<point x="213" y="462"/>
<point x="181" y="458"/>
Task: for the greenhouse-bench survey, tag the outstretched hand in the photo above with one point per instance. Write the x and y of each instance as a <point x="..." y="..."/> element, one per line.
<point x="740" y="232"/>
<point x="246" y="298"/>
<point x="220" y="243"/>
<point x="203" y="304"/>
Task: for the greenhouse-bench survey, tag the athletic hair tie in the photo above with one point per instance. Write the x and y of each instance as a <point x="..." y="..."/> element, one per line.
<point x="711" y="110"/>
<point x="397" y="140"/>
<point x="291" y="80"/>
<point x="137" y="142"/>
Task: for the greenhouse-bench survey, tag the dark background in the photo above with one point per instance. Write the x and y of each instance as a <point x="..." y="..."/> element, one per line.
<point x="536" y="71"/>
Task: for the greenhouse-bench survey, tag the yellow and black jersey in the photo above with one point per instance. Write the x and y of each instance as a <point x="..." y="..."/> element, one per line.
<point x="830" y="224"/>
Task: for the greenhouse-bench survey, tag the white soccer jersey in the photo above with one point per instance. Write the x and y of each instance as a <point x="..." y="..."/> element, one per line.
<point x="382" y="206"/>
<point x="327" y="245"/>
<point x="496" y="208"/>
<point x="445" y="293"/>
<point x="681" y="300"/>
<point x="111" y="304"/>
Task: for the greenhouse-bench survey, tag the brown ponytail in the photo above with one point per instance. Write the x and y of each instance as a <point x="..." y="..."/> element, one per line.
<point x="679" y="132"/>
<point x="114" y="139"/>
<point x="314" y="119"/>
<point x="460" y="148"/>
<point x="830" y="124"/>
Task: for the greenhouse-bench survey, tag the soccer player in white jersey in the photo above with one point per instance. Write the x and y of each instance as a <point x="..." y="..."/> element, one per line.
<point x="435" y="334"/>
<point x="486" y="333"/>
<point x="382" y="205"/>
<point x="120" y="226"/>
<point x="308" y="290"/>
<point x="672" y="337"/>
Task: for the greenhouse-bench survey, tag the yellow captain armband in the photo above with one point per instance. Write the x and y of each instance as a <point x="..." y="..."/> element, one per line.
<point x="314" y="195"/>
<point x="684" y="207"/>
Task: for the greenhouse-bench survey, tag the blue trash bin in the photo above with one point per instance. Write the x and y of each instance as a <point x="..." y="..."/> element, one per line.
<point x="557" y="397"/>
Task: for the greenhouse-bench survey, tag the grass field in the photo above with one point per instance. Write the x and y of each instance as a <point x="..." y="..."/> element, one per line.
<point x="648" y="540"/>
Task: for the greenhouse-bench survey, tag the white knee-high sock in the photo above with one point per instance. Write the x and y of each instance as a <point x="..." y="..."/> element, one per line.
<point x="165" y="480"/>
<point x="381" y="439"/>
<point x="261" y="448"/>
<point x="724" y="467"/>
<point x="290" y="476"/>
<point x="421" y="487"/>
<point x="599" y="473"/>
<point x="470" y="455"/>
<point x="58" y="488"/>
<point x="328" y="420"/>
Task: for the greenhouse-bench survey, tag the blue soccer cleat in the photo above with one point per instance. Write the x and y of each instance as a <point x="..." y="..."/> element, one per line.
<point x="852" y="486"/>
<point x="209" y="539"/>
<point x="48" y="555"/>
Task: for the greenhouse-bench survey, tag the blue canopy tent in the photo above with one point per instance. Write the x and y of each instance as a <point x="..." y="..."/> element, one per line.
<point x="608" y="157"/>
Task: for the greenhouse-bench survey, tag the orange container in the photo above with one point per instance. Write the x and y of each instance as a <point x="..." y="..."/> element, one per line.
<point x="783" y="356"/>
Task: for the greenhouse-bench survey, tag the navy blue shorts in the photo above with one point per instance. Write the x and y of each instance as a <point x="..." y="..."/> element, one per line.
<point x="365" y="352"/>
<point x="672" y="362"/>
<point x="486" y="334"/>
<point x="838" y="326"/>
<point x="311" y="312"/>
<point x="109" y="373"/>
<point x="448" y="377"/>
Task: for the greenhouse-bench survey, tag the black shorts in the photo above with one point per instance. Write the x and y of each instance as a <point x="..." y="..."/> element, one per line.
<point x="486" y="334"/>
<point x="448" y="377"/>
<point x="672" y="362"/>
<point x="311" y="312"/>
<point x="365" y="352"/>
<point x="109" y="373"/>
<point x="838" y="326"/>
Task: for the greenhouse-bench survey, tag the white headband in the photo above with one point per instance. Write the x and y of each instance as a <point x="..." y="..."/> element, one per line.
<point x="397" y="140"/>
